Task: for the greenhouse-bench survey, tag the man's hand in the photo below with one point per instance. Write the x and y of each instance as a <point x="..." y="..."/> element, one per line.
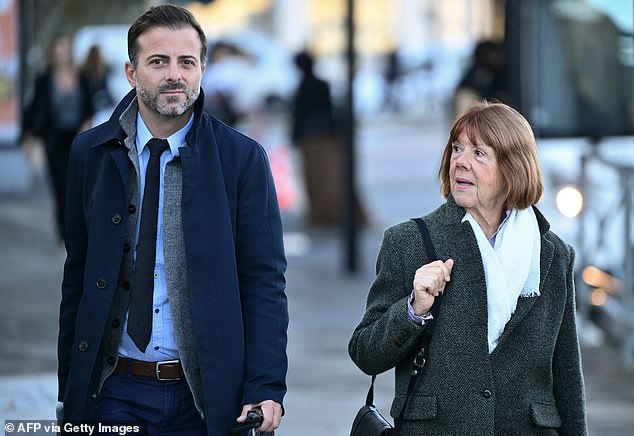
<point x="271" y="411"/>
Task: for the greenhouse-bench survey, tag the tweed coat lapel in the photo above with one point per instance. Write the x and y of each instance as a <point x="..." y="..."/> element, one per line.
<point x="460" y="244"/>
<point x="465" y="300"/>
<point x="466" y="257"/>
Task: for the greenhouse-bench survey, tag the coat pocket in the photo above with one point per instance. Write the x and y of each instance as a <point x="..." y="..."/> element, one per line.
<point x="545" y="415"/>
<point x="419" y="407"/>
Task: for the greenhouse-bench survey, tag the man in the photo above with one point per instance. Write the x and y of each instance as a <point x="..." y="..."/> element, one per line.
<point x="174" y="319"/>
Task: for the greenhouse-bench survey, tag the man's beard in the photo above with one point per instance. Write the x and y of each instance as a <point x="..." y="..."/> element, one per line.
<point x="172" y="108"/>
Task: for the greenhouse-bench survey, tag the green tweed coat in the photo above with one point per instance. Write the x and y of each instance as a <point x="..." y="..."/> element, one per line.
<point x="531" y="384"/>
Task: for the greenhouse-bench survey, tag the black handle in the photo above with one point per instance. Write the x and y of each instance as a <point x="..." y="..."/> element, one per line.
<point x="254" y="420"/>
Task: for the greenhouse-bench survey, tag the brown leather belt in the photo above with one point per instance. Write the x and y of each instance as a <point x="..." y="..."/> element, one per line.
<point x="164" y="371"/>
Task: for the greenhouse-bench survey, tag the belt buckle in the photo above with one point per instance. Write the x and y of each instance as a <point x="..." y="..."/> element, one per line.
<point x="157" y="370"/>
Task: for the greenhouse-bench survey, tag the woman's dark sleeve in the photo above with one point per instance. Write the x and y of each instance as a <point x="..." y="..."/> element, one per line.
<point x="386" y="334"/>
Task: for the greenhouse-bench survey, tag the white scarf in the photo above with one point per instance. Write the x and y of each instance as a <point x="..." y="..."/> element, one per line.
<point x="511" y="267"/>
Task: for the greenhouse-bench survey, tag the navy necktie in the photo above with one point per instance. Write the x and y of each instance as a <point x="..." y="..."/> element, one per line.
<point x="142" y="292"/>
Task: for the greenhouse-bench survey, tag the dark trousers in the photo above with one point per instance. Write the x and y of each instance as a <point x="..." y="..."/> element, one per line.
<point x="57" y="150"/>
<point x="158" y="407"/>
<point x="323" y="161"/>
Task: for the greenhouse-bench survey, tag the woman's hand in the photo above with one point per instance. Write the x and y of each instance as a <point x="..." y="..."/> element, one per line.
<point x="429" y="282"/>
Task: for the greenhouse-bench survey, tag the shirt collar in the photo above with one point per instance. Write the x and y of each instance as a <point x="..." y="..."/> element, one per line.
<point x="175" y="140"/>
<point x="502" y="224"/>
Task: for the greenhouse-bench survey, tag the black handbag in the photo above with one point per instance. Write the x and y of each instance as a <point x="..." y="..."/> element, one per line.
<point x="369" y="421"/>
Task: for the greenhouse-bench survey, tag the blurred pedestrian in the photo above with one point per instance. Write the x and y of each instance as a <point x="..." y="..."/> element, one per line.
<point x="227" y="70"/>
<point x="95" y="71"/>
<point x="61" y="107"/>
<point x="504" y="356"/>
<point x="392" y="75"/>
<point x="313" y="132"/>
<point x="485" y="78"/>
<point x="173" y="312"/>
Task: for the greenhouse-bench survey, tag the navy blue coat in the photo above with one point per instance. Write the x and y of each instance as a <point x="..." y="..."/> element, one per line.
<point x="235" y="265"/>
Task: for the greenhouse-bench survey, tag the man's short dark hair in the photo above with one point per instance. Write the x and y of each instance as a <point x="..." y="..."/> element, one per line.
<point x="173" y="17"/>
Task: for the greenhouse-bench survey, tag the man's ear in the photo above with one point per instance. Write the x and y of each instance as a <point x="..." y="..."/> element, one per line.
<point x="129" y="73"/>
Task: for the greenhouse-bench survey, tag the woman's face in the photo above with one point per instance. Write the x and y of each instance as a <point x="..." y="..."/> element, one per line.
<point x="475" y="178"/>
<point x="62" y="51"/>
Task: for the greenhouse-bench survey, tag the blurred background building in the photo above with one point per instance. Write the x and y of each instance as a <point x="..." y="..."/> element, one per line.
<point x="409" y="51"/>
<point x="431" y="40"/>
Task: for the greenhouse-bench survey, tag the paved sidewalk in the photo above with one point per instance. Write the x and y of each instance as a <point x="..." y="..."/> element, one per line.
<point x="28" y="396"/>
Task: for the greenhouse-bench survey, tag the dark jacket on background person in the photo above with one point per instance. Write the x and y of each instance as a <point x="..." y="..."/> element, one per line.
<point x="529" y="385"/>
<point x="57" y="129"/>
<point x="101" y="97"/>
<point x="312" y="109"/>
<point x="39" y="114"/>
<point x="226" y="288"/>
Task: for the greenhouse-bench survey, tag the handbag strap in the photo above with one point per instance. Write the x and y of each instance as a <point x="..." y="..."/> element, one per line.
<point x="420" y="359"/>
<point x="431" y="256"/>
<point x="369" y="399"/>
<point x="424" y="233"/>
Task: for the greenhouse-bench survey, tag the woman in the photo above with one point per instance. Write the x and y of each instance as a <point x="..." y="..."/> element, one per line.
<point x="61" y="108"/>
<point x="504" y="357"/>
<point x="95" y="71"/>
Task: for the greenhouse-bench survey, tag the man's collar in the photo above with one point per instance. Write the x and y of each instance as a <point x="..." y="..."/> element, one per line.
<point x="116" y="131"/>
<point x="175" y="140"/>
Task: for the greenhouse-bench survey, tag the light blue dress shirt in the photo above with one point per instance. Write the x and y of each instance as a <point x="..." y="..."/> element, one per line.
<point x="162" y="344"/>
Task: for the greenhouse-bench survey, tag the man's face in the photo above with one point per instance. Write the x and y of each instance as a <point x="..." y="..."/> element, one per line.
<point x="168" y="71"/>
